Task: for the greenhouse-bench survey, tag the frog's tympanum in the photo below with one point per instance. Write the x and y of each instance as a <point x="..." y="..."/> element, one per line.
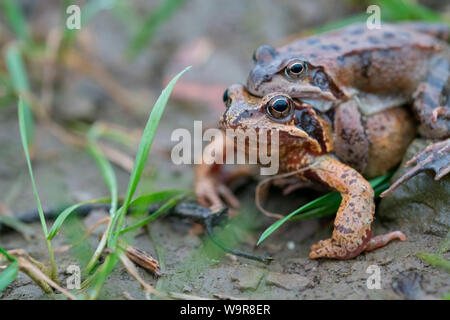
<point x="340" y="104"/>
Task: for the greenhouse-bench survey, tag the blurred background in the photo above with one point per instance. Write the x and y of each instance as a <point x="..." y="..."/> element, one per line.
<point x="108" y="74"/>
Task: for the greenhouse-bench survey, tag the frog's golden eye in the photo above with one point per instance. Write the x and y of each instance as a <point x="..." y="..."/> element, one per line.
<point x="226" y="99"/>
<point x="279" y="107"/>
<point x="295" y="69"/>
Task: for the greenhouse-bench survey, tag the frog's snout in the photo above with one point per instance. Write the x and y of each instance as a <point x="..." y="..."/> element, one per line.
<point x="256" y="78"/>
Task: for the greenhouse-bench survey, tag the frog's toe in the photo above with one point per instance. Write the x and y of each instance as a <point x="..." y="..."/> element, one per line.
<point x="383" y="239"/>
<point x="435" y="157"/>
<point x="228" y="196"/>
<point x="442" y="112"/>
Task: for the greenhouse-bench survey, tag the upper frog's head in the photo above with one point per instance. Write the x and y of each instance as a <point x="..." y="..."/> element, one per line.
<point x="296" y="123"/>
<point x="292" y="74"/>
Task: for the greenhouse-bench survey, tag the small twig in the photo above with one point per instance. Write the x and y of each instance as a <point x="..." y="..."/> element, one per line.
<point x="24" y="254"/>
<point x="224" y="297"/>
<point x="182" y="296"/>
<point x="128" y="296"/>
<point x="115" y="156"/>
<point x="118" y="157"/>
<point x="87" y="234"/>
<point x="144" y="260"/>
<point x="131" y="268"/>
<point x="41" y="278"/>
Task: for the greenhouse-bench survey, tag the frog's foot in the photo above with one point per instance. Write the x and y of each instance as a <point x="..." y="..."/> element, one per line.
<point x="210" y="194"/>
<point x="435" y="157"/>
<point x="440" y="112"/>
<point x="330" y="248"/>
<point x="383" y="239"/>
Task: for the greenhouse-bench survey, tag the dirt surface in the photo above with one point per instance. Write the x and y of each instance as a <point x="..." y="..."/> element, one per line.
<point x="191" y="264"/>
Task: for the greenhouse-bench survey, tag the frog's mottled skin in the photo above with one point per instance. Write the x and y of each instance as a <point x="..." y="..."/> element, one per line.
<point x="312" y="140"/>
<point x="379" y="69"/>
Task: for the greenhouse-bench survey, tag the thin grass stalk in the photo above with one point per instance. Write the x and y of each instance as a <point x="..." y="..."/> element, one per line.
<point x="22" y="127"/>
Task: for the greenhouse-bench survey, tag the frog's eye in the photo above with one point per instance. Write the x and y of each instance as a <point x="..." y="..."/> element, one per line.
<point x="279" y="107"/>
<point x="226" y="99"/>
<point x="320" y="80"/>
<point x="296" y="69"/>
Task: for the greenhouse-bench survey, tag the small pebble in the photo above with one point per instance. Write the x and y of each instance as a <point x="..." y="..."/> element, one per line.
<point x="290" y="245"/>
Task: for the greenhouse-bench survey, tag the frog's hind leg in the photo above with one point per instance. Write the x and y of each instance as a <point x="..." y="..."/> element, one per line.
<point x="435" y="157"/>
<point x="353" y="223"/>
<point x="431" y="100"/>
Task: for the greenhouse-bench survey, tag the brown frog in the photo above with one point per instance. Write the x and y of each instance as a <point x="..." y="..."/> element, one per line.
<point x="377" y="69"/>
<point x="310" y="142"/>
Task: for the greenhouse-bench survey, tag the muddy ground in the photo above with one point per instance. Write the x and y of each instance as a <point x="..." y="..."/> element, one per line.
<point x="191" y="265"/>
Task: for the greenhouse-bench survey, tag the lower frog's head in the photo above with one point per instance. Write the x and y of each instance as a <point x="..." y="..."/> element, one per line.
<point x="292" y="74"/>
<point x="297" y="124"/>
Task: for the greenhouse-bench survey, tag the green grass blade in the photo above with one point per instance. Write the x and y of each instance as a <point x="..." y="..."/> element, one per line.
<point x="66" y="213"/>
<point x="7" y="255"/>
<point x="341" y="23"/>
<point x="20" y="84"/>
<point x="16" y="69"/>
<point x="155" y="215"/>
<point x="102" y="274"/>
<point x="22" y="128"/>
<point x="10" y="273"/>
<point x="105" y="168"/>
<point x="435" y="260"/>
<point x="16" y="19"/>
<point x="142" y="154"/>
<point x="325" y="205"/>
<point x="406" y="10"/>
<point x="156" y="197"/>
<point x="23" y="136"/>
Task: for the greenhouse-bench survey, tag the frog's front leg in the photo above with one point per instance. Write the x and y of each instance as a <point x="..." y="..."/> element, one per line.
<point x="431" y="100"/>
<point x="352" y="232"/>
<point x="210" y="187"/>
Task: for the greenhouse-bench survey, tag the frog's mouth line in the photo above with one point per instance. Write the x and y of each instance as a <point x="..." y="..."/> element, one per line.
<point x="295" y="91"/>
<point x="314" y="93"/>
